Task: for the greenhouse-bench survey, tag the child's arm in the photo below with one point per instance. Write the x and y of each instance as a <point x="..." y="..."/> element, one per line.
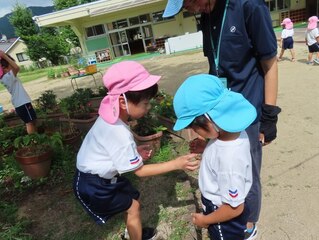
<point x="187" y="162"/>
<point x="224" y="213"/>
<point x="14" y="67"/>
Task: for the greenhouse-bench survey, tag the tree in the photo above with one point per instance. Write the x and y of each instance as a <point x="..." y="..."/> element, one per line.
<point x="21" y="19"/>
<point x="42" y="43"/>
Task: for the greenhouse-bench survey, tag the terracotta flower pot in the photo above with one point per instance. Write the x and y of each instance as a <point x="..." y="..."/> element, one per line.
<point x="84" y="124"/>
<point x="187" y="133"/>
<point x="35" y="162"/>
<point x="153" y="140"/>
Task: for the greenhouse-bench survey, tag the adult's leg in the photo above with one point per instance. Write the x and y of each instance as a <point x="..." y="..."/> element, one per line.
<point x="253" y="198"/>
<point x="133" y="221"/>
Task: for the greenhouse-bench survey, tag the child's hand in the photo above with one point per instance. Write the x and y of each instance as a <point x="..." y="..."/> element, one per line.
<point x="188" y="162"/>
<point x="197" y="145"/>
<point x="199" y="220"/>
<point x="145" y="151"/>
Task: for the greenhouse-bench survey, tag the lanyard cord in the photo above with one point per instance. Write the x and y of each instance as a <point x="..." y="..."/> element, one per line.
<point x="216" y="56"/>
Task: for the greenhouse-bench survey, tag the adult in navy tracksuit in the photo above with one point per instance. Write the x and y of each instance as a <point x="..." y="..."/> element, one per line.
<point x="241" y="47"/>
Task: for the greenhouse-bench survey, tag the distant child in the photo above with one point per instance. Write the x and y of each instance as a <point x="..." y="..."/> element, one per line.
<point x="225" y="176"/>
<point x="312" y="39"/>
<point x="109" y="150"/>
<point x="286" y="41"/>
<point x="19" y="97"/>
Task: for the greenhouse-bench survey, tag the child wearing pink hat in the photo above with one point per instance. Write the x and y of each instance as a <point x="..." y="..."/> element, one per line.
<point x="312" y="39"/>
<point x="286" y="41"/>
<point x="19" y="97"/>
<point x="109" y="151"/>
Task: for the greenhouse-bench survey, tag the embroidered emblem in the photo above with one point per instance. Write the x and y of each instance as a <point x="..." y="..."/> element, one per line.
<point x="233" y="194"/>
<point x="134" y="160"/>
<point x="232" y="29"/>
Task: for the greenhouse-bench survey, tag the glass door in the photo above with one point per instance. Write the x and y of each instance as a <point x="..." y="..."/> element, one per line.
<point x="120" y="43"/>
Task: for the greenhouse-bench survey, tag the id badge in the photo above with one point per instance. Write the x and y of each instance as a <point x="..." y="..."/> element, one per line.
<point x="224" y="81"/>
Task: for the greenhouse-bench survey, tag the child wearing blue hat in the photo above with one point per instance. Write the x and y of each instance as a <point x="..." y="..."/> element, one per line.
<point x="225" y="176"/>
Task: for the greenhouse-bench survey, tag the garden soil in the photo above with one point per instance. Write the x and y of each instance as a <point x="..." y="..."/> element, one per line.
<point x="290" y="164"/>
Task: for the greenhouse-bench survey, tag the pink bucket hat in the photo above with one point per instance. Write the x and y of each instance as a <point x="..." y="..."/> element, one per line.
<point x="120" y="78"/>
<point x="312" y="22"/>
<point x="288" y="23"/>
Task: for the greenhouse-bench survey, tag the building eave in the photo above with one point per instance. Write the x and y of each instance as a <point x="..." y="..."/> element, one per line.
<point x="102" y="7"/>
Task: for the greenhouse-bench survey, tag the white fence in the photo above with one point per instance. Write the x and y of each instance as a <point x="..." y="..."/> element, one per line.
<point x="184" y="42"/>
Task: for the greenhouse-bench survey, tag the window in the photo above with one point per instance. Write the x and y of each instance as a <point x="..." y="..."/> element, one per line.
<point x="119" y="24"/>
<point x="158" y="17"/>
<point x="134" y="21"/>
<point x="95" y="30"/>
<point x="276" y="5"/>
<point x="145" y="18"/>
<point x="22" y="57"/>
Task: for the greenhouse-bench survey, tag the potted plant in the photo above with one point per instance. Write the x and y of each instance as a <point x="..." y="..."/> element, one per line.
<point x="148" y="130"/>
<point x="71" y="135"/>
<point x="34" y="153"/>
<point x="164" y="110"/>
<point x="47" y="107"/>
<point x="7" y="136"/>
<point x="78" y="110"/>
<point x="97" y="97"/>
<point x="11" y="118"/>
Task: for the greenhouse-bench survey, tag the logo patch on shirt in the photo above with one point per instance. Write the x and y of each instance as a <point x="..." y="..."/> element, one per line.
<point x="134" y="160"/>
<point x="233" y="194"/>
<point x="232" y="29"/>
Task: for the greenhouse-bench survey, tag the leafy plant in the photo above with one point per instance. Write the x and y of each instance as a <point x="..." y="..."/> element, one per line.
<point x="7" y="136"/>
<point x="164" y="105"/>
<point x="37" y="143"/>
<point x="77" y="103"/>
<point x="47" y="102"/>
<point x="51" y="73"/>
<point x="148" y="124"/>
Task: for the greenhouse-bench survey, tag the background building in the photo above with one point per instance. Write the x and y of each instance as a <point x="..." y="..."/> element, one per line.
<point x="114" y="28"/>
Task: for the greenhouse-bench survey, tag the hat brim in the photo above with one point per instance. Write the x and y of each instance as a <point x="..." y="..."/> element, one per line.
<point x="182" y="123"/>
<point x="148" y="82"/>
<point x="172" y="8"/>
<point x="233" y="113"/>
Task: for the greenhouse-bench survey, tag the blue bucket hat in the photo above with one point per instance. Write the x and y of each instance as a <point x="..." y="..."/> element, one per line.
<point x="204" y="93"/>
<point x="173" y="7"/>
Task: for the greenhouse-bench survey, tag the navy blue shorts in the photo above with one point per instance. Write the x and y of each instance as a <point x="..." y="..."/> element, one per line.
<point x="313" y="48"/>
<point x="26" y="113"/>
<point x="288" y="43"/>
<point x="233" y="229"/>
<point x="102" y="198"/>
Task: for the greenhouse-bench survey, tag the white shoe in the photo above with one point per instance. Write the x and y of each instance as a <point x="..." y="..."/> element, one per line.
<point x="316" y="60"/>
